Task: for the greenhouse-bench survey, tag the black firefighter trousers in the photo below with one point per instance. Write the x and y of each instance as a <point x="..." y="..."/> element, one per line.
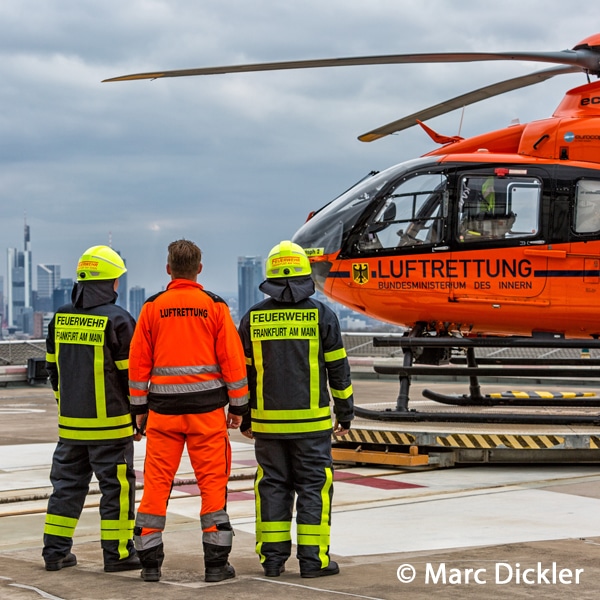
<point x="289" y="467"/>
<point x="71" y="473"/>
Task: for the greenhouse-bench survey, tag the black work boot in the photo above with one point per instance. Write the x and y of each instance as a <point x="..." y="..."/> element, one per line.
<point x="70" y="560"/>
<point x="331" y="569"/>
<point x="151" y="560"/>
<point x="214" y="574"/>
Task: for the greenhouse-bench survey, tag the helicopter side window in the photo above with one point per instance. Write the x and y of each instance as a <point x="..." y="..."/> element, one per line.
<point x="412" y="214"/>
<point x="497" y="208"/>
<point x="587" y="206"/>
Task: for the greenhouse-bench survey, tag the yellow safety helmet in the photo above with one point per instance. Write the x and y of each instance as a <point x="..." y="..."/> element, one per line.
<point x="98" y="263"/>
<point x="287" y="260"/>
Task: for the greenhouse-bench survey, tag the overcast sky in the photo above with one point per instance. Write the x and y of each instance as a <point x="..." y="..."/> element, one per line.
<point x="233" y="162"/>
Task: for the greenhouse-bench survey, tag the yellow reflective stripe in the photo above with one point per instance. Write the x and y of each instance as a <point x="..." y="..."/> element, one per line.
<point x="56" y="394"/>
<point x="306" y="529"/>
<point x="95" y="423"/>
<point x="60" y="526"/>
<point x="51" y="358"/>
<point x="260" y="374"/>
<point x="276" y="536"/>
<point x="248" y="361"/>
<point x="315" y="386"/>
<point x="126" y="533"/>
<point x="121" y="536"/>
<point x="58" y="531"/>
<point x="121" y="523"/>
<point x="62" y="521"/>
<point x="112" y="434"/>
<point x="326" y="516"/>
<point x="300" y="414"/>
<point x="335" y="355"/>
<point x="302" y="427"/>
<point x="276" y="526"/>
<point x="258" y="522"/>
<point x="313" y="539"/>
<point x="99" y="381"/>
<point x="342" y="394"/>
<point x="122" y="365"/>
<point x="121" y="531"/>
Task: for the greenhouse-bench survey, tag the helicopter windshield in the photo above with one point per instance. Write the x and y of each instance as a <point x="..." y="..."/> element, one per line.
<point x="326" y="231"/>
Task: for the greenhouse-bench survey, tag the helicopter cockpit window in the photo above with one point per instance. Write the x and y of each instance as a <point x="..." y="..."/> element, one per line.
<point x="412" y="214"/>
<point x="587" y="206"/>
<point x="497" y="208"/>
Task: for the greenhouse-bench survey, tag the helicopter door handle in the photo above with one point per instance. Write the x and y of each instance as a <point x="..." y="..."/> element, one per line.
<point x="546" y="253"/>
<point x="440" y="248"/>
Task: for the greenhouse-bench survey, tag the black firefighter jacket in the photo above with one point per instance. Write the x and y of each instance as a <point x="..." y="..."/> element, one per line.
<point x="87" y="356"/>
<point x="294" y="351"/>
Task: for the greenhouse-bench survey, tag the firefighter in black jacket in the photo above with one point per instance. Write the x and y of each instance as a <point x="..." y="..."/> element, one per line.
<point x="293" y="347"/>
<point x="87" y="361"/>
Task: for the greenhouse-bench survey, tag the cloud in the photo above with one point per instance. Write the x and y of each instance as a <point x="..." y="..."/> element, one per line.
<point x="234" y="162"/>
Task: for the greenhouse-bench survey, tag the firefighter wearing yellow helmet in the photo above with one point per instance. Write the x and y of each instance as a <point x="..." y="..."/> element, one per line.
<point x="296" y="359"/>
<point x="100" y="263"/>
<point x="87" y="357"/>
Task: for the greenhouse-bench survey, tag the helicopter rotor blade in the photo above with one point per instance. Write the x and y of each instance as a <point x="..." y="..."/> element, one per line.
<point x="583" y="58"/>
<point x="464" y="100"/>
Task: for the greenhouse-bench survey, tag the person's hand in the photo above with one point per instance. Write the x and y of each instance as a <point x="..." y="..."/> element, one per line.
<point x="248" y="433"/>
<point x="341" y="429"/>
<point x="233" y="421"/>
<point x="140" y="427"/>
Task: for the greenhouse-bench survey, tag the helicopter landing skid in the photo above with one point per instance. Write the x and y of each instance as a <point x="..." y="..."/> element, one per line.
<point x="475" y="417"/>
<point x="546" y="399"/>
<point x="536" y="407"/>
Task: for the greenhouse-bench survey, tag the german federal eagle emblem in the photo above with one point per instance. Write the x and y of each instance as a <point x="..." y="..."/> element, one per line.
<point x="360" y="273"/>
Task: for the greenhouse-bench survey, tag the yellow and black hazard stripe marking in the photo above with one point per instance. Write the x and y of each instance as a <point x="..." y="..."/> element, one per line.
<point x="516" y="442"/>
<point x="595" y="442"/>
<point x="366" y="436"/>
<point x="542" y="395"/>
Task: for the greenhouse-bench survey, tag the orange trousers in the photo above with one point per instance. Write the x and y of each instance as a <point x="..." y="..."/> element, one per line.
<point x="207" y="441"/>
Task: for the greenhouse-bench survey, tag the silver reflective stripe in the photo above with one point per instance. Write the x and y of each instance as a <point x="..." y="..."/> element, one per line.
<point x="146" y="542"/>
<point x="182" y="388"/>
<point x="138" y="400"/>
<point x="191" y="370"/>
<point x="236" y="385"/>
<point x="150" y="521"/>
<point x="218" y="538"/>
<point x="239" y="401"/>
<point x="214" y="518"/>
<point x="138" y="385"/>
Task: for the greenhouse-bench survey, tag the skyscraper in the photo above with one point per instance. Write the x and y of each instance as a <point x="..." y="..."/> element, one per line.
<point x="137" y="296"/>
<point x="48" y="279"/>
<point x="18" y="288"/>
<point x="250" y="276"/>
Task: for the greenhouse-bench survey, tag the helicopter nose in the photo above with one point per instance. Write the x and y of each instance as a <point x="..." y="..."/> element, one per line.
<point x="320" y="271"/>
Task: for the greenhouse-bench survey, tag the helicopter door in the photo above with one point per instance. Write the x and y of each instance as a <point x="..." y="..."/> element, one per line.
<point x="586" y="226"/>
<point x="497" y="254"/>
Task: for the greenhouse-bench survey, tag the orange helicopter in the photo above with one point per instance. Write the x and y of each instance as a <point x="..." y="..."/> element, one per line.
<point x="493" y="235"/>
